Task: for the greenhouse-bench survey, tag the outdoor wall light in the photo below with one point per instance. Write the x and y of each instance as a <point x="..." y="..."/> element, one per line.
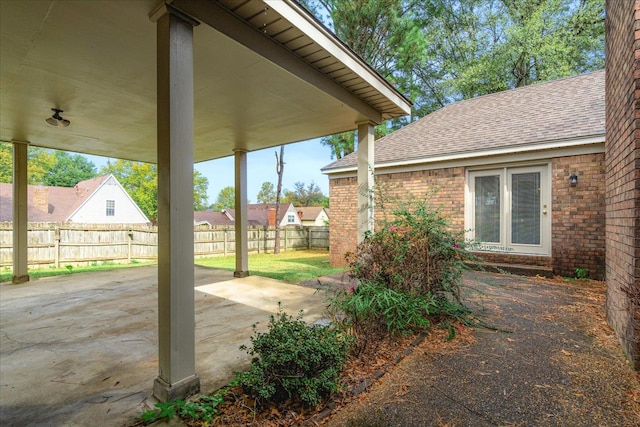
<point x="573" y="179"/>
<point x="57" y="120"/>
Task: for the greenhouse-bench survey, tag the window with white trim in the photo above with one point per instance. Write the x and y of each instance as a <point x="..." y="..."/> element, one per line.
<point x="508" y="209"/>
<point x="291" y="218"/>
<point x="111" y="208"/>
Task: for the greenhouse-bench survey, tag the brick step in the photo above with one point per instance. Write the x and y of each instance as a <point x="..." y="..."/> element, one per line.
<point x="519" y="269"/>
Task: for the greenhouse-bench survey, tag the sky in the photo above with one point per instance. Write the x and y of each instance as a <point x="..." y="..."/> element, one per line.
<point x="303" y="161"/>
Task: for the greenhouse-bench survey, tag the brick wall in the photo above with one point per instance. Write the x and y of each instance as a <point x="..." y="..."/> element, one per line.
<point x="623" y="173"/>
<point x="343" y="201"/>
<point x="578" y="222"/>
<point x="443" y="187"/>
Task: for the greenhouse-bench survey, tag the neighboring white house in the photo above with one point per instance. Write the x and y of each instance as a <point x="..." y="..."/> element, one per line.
<point x="313" y="215"/>
<point x="100" y="200"/>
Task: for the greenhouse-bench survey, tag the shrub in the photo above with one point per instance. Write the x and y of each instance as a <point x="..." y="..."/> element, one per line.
<point x="416" y="253"/>
<point x="409" y="272"/>
<point x="294" y="360"/>
<point x="387" y="309"/>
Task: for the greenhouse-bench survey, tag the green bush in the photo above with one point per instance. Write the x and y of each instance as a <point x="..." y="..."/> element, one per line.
<point x="416" y="252"/>
<point x="294" y="360"/>
<point x="409" y="272"/>
<point x="387" y="309"/>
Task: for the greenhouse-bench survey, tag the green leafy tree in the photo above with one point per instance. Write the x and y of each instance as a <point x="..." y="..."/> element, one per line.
<point x="310" y="195"/>
<point x="6" y="162"/>
<point x="440" y="51"/>
<point x="48" y="167"/>
<point x="69" y="170"/>
<point x="475" y="47"/>
<point x="267" y="193"/>
<point x="200" y="188"/>
<point x="141" y="182"/>
<point x="226" y="199"/>
<point x="386" y="35"/>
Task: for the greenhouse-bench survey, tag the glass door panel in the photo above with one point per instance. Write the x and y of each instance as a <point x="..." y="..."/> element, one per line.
<point x="525" y="208"/>
<point x="487" y="209"/>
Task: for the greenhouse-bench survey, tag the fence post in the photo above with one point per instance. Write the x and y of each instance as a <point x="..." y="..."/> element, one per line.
<point x="308" y="237"/>
<point x="285" y="238"/>
<point x="130" y="235"/>
<point x="56" y="247"/>
<point x="224" y="242"/>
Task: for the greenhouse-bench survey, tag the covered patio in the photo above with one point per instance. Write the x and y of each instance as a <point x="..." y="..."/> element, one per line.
<point x="173" y="83"/>
<point x="81" y="348"/>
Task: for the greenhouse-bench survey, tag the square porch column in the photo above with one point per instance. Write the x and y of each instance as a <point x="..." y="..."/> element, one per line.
<point x="241" y="221"/>
<point x="176" y="312"/>
<point x="365" y="178"/>
<point x="20" y="214"/>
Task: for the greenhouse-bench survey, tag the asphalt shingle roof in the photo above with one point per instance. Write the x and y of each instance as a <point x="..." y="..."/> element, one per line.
<point x="62" y="201"/>
<point x="565" y="109"/>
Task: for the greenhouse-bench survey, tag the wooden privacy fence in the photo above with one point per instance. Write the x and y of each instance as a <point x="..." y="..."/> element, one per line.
<point x="59" y="245"/>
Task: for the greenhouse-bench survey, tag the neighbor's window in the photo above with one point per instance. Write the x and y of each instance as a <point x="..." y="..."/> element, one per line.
<point x="111" y="207"/>
<point x="291" y="218"/>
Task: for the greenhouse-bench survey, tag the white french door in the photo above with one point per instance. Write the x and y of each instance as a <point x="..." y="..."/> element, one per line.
<point x="508" y="210"/>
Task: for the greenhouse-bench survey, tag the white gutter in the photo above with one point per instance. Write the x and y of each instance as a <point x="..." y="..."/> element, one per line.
<point x="549" y="145"/>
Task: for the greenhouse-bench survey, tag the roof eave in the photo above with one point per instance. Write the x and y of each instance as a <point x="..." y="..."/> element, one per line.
<point x="538" y="146"/>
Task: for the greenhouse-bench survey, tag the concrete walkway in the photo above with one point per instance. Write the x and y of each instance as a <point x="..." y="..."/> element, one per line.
<point x="81" y="349"/>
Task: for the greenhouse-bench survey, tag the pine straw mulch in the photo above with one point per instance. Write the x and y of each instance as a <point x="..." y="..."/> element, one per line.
<point x="360" y="372"/>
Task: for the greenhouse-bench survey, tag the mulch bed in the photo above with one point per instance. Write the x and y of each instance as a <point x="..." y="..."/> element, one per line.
<point x="359" y="373"/>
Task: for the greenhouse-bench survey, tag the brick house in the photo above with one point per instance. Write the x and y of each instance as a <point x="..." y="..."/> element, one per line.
<point x="623" y="173"/>
<point x="500" y="166"/>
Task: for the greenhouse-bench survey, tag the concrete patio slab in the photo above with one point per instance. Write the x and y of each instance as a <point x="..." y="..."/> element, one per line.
<point x="82" y="348"/>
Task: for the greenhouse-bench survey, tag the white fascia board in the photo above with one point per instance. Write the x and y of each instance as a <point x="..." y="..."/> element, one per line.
<point x="325" y="39"/>
<point x="529" y="152"/>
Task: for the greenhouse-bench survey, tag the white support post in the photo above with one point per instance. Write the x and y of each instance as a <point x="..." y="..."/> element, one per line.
<point x="241" y="221"/>
<point x="176" y="312"/>
<point x="365" y="179"/>
<point x="20" y="218"/>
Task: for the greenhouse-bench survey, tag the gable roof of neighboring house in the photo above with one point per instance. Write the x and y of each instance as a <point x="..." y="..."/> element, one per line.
<point x="310" y="213"/>
<point x="212" y="218"/>
<point x="258" y="213"/>
<point x="561" y="112"/>
<point x="53" y="204"/>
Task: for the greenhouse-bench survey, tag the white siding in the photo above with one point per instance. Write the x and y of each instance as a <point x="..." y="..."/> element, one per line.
<point x="296" y="219"/>
<point x="94" y="210"/>
<point x="320" y="221"/>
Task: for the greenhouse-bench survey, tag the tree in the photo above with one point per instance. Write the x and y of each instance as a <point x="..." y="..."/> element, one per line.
<point x="267" y="193"/>
<point x="48" y="167"/>
<point x="440" y="51"/>
<point x="475" y="47"/>
<point x="6" y="162"/>
<point x="200" y="188"/>
<point x="140" y="180"/>
<point x="69" y="170"/>
<point x="280" y="172"/>
<point x="226" y="199"/>
<point x="306" y="196"/>
<point x="386" y="35"/>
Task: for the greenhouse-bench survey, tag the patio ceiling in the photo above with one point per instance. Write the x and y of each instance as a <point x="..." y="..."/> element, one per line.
<point x="266" y="73"/>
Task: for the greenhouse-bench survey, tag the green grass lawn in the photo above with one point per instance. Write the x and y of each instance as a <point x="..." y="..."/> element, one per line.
<point x="6" y="276"/>
<point x="290" y="266"/>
